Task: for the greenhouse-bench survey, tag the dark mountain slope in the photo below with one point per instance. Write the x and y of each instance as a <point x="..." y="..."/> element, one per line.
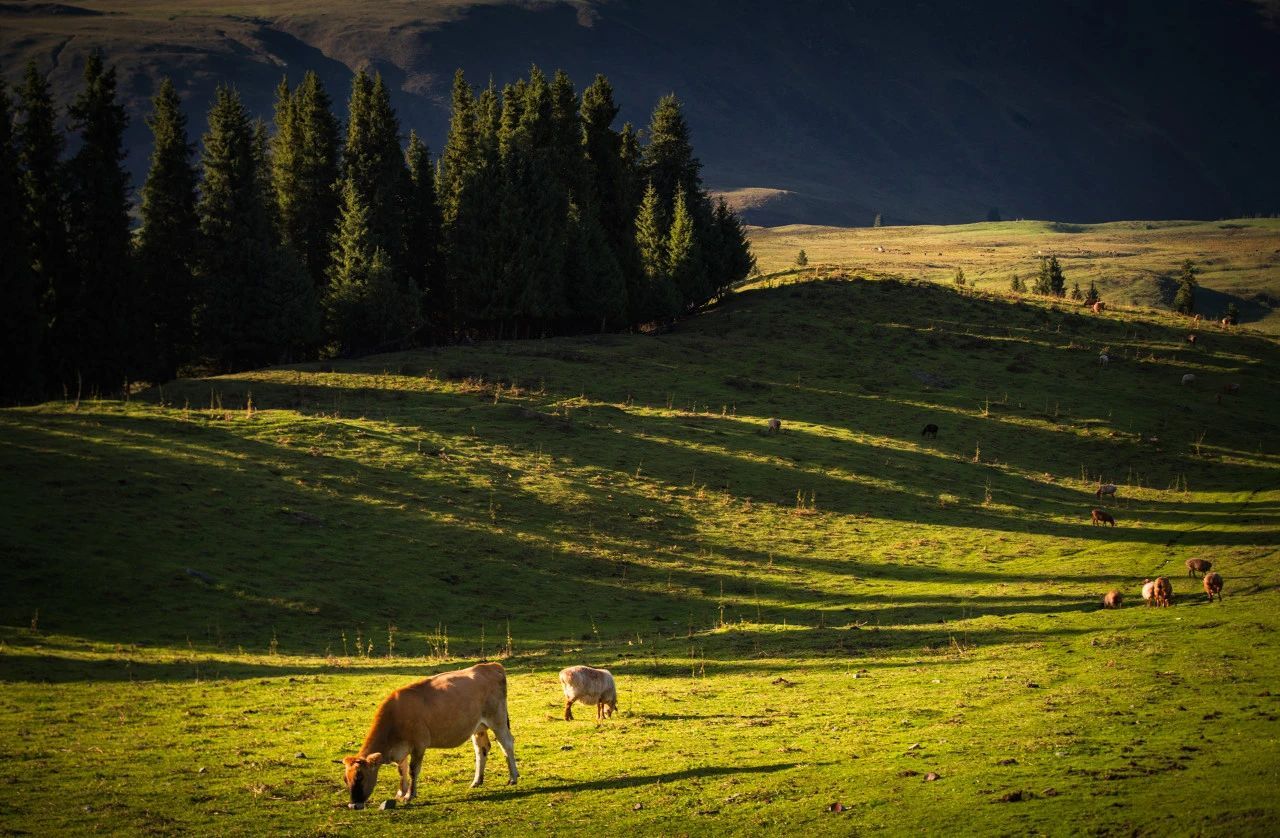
<point x="1074" y="109"/>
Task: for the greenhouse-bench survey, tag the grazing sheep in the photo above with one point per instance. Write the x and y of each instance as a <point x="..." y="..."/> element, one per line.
<point x="1195" y="566"/>
<point x="1231" y="389"/>
<point x="775" y="425"/>
<point x="1163" y="592"/>
<point x="1189" y="378"/>
<point x="1103" y="360"/>
<point x="1100" y="517"/>
<point x="1105" y="489"/>
<point x="1113" y="599"/>
<point x="590" y="686"/>
<point x="930" y="430"/>
<point x="1213" y="585"/>
<point x="1191" y="339"/>
<point x="1148" y="592"/>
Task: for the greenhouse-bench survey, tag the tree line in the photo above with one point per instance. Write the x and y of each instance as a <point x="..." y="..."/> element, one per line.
<point x="319" y="237"/>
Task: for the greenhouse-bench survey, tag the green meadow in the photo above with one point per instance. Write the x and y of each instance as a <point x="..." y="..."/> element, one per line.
<point x="211" y="586"/>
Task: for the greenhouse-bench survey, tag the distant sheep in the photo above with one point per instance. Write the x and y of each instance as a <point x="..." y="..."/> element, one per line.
<point x="591" y="686"/>
<point x="1103" y="360"/>
<point x="1191" y="339"/>
<point x="775" y="425"/>
<point x="1189" y="378"/>
<point x="1100" y="517"/>
<point x="1195" y="566"/>
<point x="1105" y="489"/>
<point x="1113" y="599"/>
<point x="1213" y="586"/>
<point x="930" y="430"/>
<point x="1149" y="592"/>
<point x="1163" y="592"/>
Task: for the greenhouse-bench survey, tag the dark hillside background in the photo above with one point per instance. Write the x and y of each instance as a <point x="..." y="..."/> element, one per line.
<point x="821" y="112"/>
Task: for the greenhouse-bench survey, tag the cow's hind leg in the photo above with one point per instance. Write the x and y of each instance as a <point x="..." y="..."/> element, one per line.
<point x="415" y="766"/>
<point x="406" y="785"/>
<point x="501" y="724"/>
<point x="480" y="739"/>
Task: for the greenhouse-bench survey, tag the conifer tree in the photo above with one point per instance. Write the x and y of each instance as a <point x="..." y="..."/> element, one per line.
<point x="1076" y="293"/>
<point x="20" y="322"/>
<point x="374" y="163"/>
<point x="669" y="163"/>
<point x="1184" y="302"/>
<point x="1091" y="296"/>
<point x="802" y="258"/>
<point x="959" y="277"/>
<point x="461" y="156"/>
<point x="1044" y="278"/>
<point x="164" y="242"/>
<point x="305" y="167"/>
<point x="595" y="289"/>
<point x="1233" y="314"/>
<point x="258" y="303"/>
<point x="39" y="148"/>
<point x="659" y="299"/>
<point x="368" y="307"/>
<point x="95" y="310"/>
<point x="422" y="235"/>
<point x="877" y="221"/>
<point x="1017" y="285"/>
<point x="684" y="257"/>
<point x="1057" y="281"/>
<point x="736" y="260"/>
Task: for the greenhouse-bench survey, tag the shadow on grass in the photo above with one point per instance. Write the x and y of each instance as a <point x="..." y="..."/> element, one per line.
<point x="614" y="783"/>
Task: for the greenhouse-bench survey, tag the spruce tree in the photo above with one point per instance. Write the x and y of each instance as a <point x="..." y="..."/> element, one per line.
<point x="660" y="300"/>
<point x="368" y="308"/>
<point x="95" y="311"/>
<point x="1076" y="293"/>
<point x="1057" y="281"/>
<point x="258" y="303"/>
<point x="374" y="163"/>
<point x="39" y="148"/>
<point x="422" y="233"/>
<point x="959" y="279"/>
<point x="1091" y="296"/>
<point x="669" y="163"/>
<point x="802" y="258"/>
<point x="877" y="221"/>
<point x="305" y="169"/>
<point x="164" y="243"/>
<point x="1233" y="314"/>
<point x="20" y="322"/>
<point x="631" y="191"/>
<point x="736" y="260"/>
<point x="1184" y="302"/>
<point x="1044" y="278"/>
<point x="684" y="257"/>
<point x="1016" y="284"/>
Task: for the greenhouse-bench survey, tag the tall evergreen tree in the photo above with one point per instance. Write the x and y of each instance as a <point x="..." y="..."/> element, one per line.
<point x="373" y="162"/>
<point x="736" y="260"/>
<point x="259" y="304"/>
<point x="368" y="307"/>
<point x="659" y="299"/>
<point x="39" y="147"/>
<point x="684" y="257"/>
<point x="308" y="207"/>
<point x="669" y="163"/>
<point x="422" y="234"/>
<point x="1092" y="296"/>
<point x="164" y="243"/>
<point x="1184" y="302"/>
<point x="20" y="321"/>
<point x="1044" y="278"/>
<point x="1057" y="280"/>
<point x="95" y="327"/>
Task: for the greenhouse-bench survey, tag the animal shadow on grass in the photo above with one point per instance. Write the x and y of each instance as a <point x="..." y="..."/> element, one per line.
<point x="614" y="783"/>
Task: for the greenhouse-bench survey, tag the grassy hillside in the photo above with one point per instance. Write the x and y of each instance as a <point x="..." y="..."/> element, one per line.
<point x="211" y="586"/>
<point x="1134" y="263"/>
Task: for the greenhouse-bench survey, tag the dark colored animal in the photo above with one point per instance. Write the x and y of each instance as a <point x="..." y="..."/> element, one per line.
<point x="1195" y="566"/>
<point x="1191" y="339"/>
<point x="1231" y="389"/>
<point x="1213" y="585"/>
<point x="1163" y="592"/>
<point x="1105" y="489"/>
<point x="1113" y="599"/>
<point x="440" y="712"/>
<point x="930" y="430"/>
<point x="1100" y="517"/>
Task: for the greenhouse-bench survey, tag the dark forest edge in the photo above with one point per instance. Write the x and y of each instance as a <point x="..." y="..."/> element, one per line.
<point x="311" y="238"/>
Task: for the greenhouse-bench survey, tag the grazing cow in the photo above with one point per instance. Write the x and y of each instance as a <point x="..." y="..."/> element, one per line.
<point x="440" y="712"/>
<point x="1191" y="339"/>
<point x="1100" y="517"/>
<point x="591" y="686"/>
<point x="1189" y="378"/>
<point x="1213" y="585"/>
<point x="1226" y="322"/>
<point x="1105" y="489"/>
<point x="775" y="425"/>
<point x="1231" y="389"/>
<point x="1103" y="360"/>
<point x="1098" y="307"/>
<point x="1195" y="566"/>
<point x="930" y="430"/>
<point x="1148" y="592"/>
<point x="1195" y="319"/>
<point x="1113" y="599"/>
<point x="1163" y="592"/>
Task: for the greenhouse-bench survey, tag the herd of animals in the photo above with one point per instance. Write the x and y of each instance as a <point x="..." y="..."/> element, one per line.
<point x="446" y="710"/>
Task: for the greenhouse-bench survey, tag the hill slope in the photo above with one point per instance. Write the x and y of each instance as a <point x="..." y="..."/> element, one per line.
<point x="225" y="575"/>
<point x="926" y="112"/>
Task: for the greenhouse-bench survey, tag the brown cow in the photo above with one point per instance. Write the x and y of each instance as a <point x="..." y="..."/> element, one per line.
<point x="1213" y="585"/>
<point x="1113" y="599"/>
<point x="590" y="686"/>
<point x="440" y="712"/>
<point x="1098" y="307"/>
<point x="1100" y="517"/>
<point x="1195" y="566"/>
<point x="1191" y="339"/>
<point x="1148" y="592"/>
<point x="1163" y="592"/>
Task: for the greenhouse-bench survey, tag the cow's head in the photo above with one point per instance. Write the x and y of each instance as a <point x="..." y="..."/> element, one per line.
<point x="361" y="775"/>
<point x="609" y="703"/>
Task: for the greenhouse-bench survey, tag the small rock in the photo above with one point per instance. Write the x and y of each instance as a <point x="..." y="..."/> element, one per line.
<point x="637" y="807"/>
<point x="387" y="804"/>
<point x="931" y="776"/>
<point x="203" y="770"/>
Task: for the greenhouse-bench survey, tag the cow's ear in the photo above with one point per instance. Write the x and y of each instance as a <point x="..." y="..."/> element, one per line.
<point x="348" y="760"/>
<point x="373" y="759"/>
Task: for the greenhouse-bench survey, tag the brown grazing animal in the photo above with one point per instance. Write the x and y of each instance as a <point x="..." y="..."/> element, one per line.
<point x="1113" y="599"/>
<point x="1191" y="339"/>
<point x="1098" y="307"/>
<point x="1100" y="517"/>
<point x="1213" y="585"/>
<point x="591" y="686"/>
<point x="1163" y="592"/>
<point x="1105" y="489"/>
<point x="1195" y="566"/>
<point x="930" y="430"/>
<point x="440" y="712"/>
<point x="1148" y="592"/>
<point x="775" y="425"/>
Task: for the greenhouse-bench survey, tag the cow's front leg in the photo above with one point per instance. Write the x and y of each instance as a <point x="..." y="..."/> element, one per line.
<point x="405" y="785"/>
<point x="415" y="765"/>
<point x="480" y="739"/>
<point x="568" y="709"/>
